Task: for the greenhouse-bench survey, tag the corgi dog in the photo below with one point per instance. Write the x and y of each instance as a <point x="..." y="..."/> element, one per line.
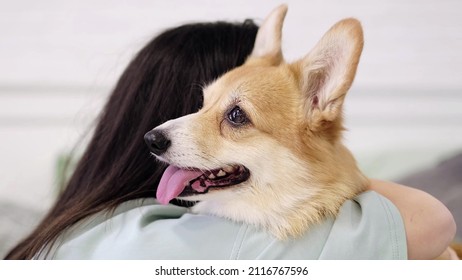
<point x="266" y="147"/>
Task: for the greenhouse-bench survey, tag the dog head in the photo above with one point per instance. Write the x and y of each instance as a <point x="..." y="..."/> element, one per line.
<point x="267" y="139"/>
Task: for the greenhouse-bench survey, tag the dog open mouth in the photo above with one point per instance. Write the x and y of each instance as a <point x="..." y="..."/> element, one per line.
<point x="176" y="182"/>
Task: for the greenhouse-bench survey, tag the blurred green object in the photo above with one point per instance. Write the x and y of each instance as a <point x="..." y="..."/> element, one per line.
<point x="64" y="167"/>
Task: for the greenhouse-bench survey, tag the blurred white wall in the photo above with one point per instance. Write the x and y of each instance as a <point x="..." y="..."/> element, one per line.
<point x="59" y="59"/>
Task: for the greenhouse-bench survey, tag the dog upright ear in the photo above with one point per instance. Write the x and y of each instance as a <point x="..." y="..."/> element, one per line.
<point x="267" y="47"/>
<point x="328" y="71"/>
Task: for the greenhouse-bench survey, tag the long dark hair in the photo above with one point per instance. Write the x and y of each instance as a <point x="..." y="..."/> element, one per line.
<point x="164" y="81"/>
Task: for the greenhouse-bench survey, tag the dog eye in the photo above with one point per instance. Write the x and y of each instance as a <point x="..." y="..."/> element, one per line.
<point x="237" y="116"/>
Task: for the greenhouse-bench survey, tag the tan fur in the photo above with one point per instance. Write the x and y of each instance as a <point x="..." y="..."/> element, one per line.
<point x="457" y="247"/>
<point x="453" y="252"/>
<point x="300" y="171"/>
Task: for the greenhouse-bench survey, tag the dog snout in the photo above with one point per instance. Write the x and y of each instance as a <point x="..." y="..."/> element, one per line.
<point x="157" y="141"/>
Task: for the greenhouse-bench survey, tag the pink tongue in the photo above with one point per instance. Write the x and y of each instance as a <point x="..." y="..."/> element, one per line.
<point x="173" y="182"/>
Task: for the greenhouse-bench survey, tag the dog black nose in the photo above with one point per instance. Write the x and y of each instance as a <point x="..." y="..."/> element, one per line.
<point x="157" y="142"/>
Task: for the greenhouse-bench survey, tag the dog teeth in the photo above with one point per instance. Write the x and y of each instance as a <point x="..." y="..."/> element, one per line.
<point x="228" y="169"/>
<point x="221" y="173"/>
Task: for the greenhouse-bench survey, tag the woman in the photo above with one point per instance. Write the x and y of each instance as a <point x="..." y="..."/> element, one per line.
<point x="115" y="180"/>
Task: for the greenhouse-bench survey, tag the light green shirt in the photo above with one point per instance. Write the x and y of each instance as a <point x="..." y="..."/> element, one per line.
<point x="368" y="227"/>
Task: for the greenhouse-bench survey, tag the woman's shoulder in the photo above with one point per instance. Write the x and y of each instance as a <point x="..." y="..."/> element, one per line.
<point x="144" y="229"/>
<point x="367" y="227"/>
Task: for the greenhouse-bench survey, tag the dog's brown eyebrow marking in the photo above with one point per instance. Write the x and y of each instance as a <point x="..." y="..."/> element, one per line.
<point x="233" y="99"/>
<point x="239" y="89"/>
